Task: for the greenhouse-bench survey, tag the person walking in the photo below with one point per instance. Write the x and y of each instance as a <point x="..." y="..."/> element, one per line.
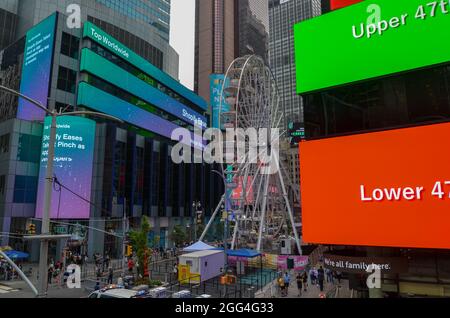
<point x="110" y="275"/>
<point x="281" y="285"/>
<point x="321" y="277"/>
<point x="175" y="271"/>
<point x="312" y="277"/>
<point x="97" y="286"/>
<point x="287" y="282"/>
<point x="299" y="284"/>
<point x="120" y="281"/>
<point x="330" y="279"/>
<point x="339" y="277"/>
<point x="305" y="281"/>
<point x="50" y="274"/>
<point x="130" y="265"/>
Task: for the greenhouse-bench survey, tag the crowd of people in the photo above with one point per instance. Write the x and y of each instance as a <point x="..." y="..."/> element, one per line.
<point x="316" y="276"/>
<point x="7" y="272"/>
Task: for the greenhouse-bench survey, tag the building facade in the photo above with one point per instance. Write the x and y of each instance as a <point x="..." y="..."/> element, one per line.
<point x="399" y="100"/>
<point x="225" y="30"/>
<point x="95" y="68"/>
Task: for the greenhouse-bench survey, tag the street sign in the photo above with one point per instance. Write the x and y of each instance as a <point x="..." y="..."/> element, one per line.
<point x="61" y="229"/>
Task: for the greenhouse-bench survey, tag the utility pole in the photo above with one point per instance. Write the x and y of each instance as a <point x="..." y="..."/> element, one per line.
<point x="45" y="226"/>
<point x="124" y="233"/>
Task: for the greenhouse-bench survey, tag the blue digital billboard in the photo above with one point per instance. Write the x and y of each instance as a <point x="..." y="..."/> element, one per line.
<point x="37" y="68"/>
<point x="101" y="101"/>
<point x="104" y="69"/>
<point x="72" y="167"/>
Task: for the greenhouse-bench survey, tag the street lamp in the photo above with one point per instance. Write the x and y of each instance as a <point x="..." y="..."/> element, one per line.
<point x="45" y="229"/>
<point x="196" y="207"/>
<point x="225" y="206"/>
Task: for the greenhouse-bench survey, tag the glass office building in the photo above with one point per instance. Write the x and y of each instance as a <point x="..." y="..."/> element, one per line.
<point x="154" y="12"/>
<point x="283" y="16"/>
<point x="133" y="172"/>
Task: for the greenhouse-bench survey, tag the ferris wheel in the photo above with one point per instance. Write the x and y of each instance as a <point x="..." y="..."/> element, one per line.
<point x="257" y="182"/>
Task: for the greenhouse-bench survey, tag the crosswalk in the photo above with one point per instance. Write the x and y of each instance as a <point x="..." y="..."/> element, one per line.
<point x="6" y="290"/>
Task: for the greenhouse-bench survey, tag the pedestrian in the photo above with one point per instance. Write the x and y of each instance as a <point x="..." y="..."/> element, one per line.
<point x="305" y="281"/>
<point x="175" y="271"/>
<point x="281" y="285"/>
<point x="312" y="277"/>
<point x="107" y="260"/>
<point x="97" y="286"/>
<point x="50" y="275"/>
<point x="329" y="274"/>
<point x="299" y="284"/>
<point x="321" y="277"/>
<point x="66" y="277"/>
<point x="99" y="273"/>
<point x="120" y="281"/>
<point x="110" y="275"/>
<point x="339" y="277"/>
<point x="287" y="282"/>
<point x="130" y="265"/>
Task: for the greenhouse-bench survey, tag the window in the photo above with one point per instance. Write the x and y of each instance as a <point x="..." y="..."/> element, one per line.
<point x="25" y="189"/>
<point x="29" y="149"/>
<point x="67" y="80"/>
<point x="120" y="164"/>
<point x="70" y="45"/>
<point x="139" y="181"/>
<point x="2" y="184"/>
<point x="4" y="144"/>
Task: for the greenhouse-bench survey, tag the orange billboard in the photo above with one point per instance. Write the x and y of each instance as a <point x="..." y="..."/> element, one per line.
<point x="388" y="189"/>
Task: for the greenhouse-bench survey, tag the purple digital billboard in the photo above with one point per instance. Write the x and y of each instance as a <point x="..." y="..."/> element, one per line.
<point x="37" y="68"/>
<point x="72" y="167"/>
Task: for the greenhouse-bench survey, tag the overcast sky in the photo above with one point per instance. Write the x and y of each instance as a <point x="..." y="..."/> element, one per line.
<point x="182" y="37"/>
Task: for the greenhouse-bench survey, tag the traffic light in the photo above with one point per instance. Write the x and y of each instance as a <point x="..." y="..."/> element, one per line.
<point x="31" y="229"/>
<point x="129" y="250"/>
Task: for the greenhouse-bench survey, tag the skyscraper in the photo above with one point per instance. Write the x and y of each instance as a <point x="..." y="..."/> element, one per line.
<point x="283" y="16"/>
<point x="225" y="30"/>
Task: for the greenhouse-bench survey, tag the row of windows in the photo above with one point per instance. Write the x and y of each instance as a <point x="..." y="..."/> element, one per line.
<point x="141" y="75"/>
<point x="418" y="97"/>
<point x="154" y="173"/>
<point x="138" y="45"/>
<point x="131" y="99"/>
<point x="139" y="9"/>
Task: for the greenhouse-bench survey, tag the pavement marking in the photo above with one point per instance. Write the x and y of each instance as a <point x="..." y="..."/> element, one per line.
<point x="6" y="289"/>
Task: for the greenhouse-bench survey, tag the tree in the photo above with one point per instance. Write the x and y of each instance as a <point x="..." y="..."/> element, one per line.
<point x="219" y="228"/>
<point x="178" y="235"/>
<point x="139" y="241"/>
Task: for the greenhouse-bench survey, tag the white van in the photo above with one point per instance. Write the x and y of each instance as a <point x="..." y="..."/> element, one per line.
<point x="114" y="293"/>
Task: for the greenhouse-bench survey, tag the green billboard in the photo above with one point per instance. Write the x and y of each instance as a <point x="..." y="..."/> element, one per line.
<point x="371" y="39"/>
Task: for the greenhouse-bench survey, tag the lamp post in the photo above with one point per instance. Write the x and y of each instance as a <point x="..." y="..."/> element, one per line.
<point x="45" y="228"/>
<point x="225" y="208"/>
<point x="196" y="207"/>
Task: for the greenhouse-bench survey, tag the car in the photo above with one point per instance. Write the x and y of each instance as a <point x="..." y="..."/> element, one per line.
<point x="116" y="292"/>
